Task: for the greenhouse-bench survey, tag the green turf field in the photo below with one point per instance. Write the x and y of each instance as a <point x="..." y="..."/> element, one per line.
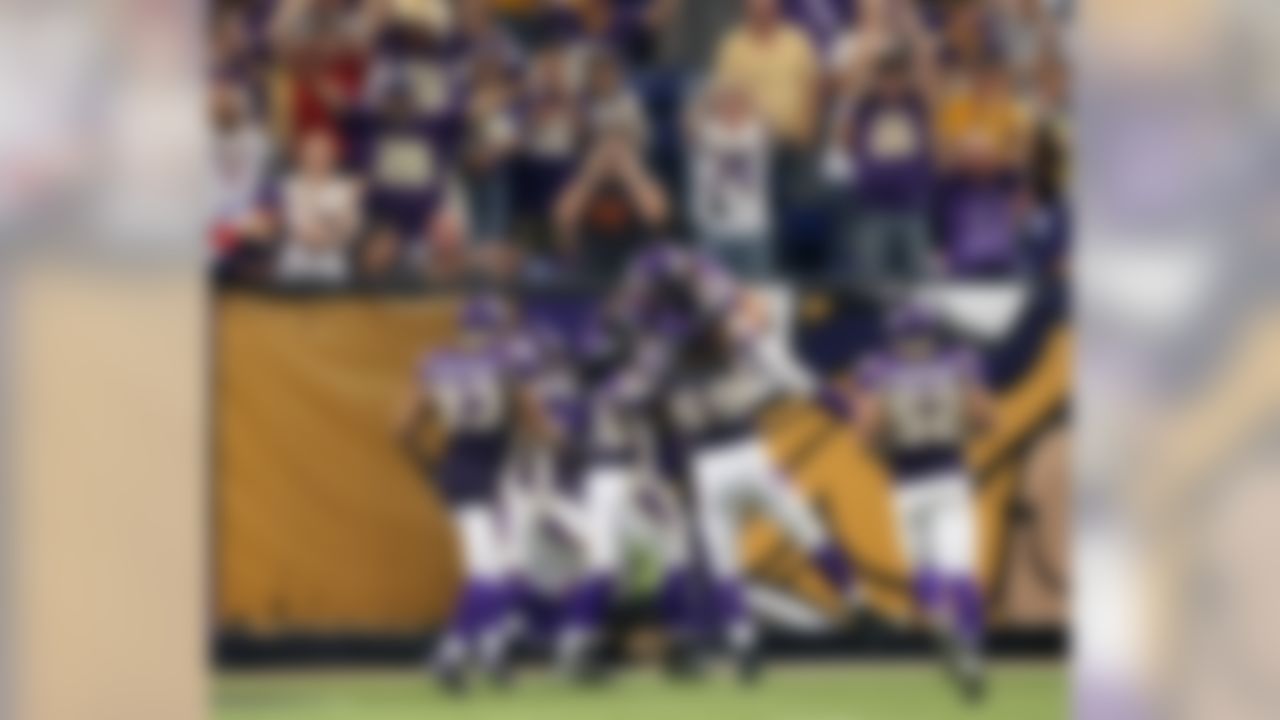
<point x="811" y="692"/>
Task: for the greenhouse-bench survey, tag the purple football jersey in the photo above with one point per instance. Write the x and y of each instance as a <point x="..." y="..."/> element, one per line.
<point x="408" y="163"/>
<point x="553" y="133"/>
<point x="925" y="406"/>
<point x="471" y="393"/>
<point x="892" y="153"/>
<point x="669" y="288"/>
<point x="979" y="220"/>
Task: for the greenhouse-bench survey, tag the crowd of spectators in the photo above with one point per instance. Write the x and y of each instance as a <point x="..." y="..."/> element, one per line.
<point x="391" y="142"/>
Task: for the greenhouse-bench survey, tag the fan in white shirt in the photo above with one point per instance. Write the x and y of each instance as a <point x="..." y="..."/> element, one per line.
<point x="242" y="152"/>
<point x="320" y="214"/>
<point x="732" y="180"/>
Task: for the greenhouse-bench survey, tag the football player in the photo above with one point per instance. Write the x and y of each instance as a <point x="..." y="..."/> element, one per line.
<point x="716" y="388"/>
<point x="548" y="549"/>
<point x="917" y="402"/>
<point x="468" y="390"/>
<point x="623" y="507"/>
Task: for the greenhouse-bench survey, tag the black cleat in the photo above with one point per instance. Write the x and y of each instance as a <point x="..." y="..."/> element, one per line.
<point x="502" y="672"/>
<point x="451" y="678"/>
<point x="682" y="662"/>
<point x="750" y="666"/>
<point x="971" y="677"/>
<point x="592" y="673"/>
<point x="588" y="669"/>
<point x="974" y="688"/>
<point x="964" y="666"/>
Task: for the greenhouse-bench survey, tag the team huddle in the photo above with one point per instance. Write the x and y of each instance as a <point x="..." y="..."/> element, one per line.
<point x="566" y="450"/>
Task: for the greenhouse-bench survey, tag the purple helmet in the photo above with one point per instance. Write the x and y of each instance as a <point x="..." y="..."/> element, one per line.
<point x="484" y="314"/>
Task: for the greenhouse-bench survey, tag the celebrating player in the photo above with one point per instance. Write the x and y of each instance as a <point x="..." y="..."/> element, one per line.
<point x="716" y="388"/>
<point x="468" y="390"/>
<point x="622" y="504"/>
<point x="548" y="549"/>
<point x="917" y="401"/>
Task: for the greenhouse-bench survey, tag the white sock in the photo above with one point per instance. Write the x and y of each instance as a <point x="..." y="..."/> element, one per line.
<point x="573" y="644"/>
<point x="742" y="636"/>
<point x="451" y="652"/>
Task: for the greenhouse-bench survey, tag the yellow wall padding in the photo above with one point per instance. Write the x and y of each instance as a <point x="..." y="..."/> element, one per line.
<point x="322" y="523"/>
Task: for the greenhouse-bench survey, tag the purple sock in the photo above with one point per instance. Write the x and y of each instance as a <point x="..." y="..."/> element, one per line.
<point x="967" y="604"/>
<point x="543" y="615"/>
<point x="501" y="600"/>
<point x="472" y="611"/>
<point x="677" y="603"/>
<point x="835" y="567"/>
<point x="927" y="588"/>
<point x="588" y="604"/>
<point x="733" y="619"/>
<point x="731" y="602"/>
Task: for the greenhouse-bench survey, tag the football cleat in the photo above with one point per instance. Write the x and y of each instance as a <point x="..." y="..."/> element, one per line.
<point x="451" y="678"/>
<point x="749" y="665"/>
<point x="683" y="661"/>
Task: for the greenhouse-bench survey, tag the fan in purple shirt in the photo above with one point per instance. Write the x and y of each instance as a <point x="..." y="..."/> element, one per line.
<point x="550" y="115"/>
<point x="630" y="28"/>
<point x="823" y="20"/>
<point x="888" y="134"/>
<point x="407" y="158"/>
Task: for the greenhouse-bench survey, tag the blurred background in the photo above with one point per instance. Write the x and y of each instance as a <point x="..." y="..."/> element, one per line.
<point x="106" y="181"/>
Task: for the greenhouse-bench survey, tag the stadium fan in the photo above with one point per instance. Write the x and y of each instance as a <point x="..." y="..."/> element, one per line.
<point x="553" y="134"/>
<point x="610" y="102"/>
<point x="242" y="156"/>
<point x="887" y="131"/>
<point x="492" y="139"/>
<point x="415" y="45"/>
<point x="483" y="37"/>
<point x="823" y="20"/>
<point x="408" y="158"/>
<point x="611" y="209"/>
<point x="315" y="211"/>
<point x="776" y="64"/>
<point x="631" y="29"/>
<point x="983" y="147"/>
<point x="732" y="181"/>
<point x="318" y="50"/>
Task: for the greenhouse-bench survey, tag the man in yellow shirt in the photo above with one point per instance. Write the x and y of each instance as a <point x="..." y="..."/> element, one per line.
<point x="776" y="64"/>
<point x="983" y="142"/>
